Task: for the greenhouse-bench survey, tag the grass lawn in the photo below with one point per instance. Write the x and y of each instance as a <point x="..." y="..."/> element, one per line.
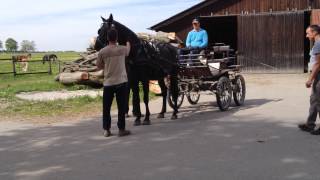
<point x="12" y="108"/>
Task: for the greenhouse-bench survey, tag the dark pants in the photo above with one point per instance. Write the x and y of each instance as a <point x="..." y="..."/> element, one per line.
<point x="121" y="96"/>
<point x="314" y="109"/>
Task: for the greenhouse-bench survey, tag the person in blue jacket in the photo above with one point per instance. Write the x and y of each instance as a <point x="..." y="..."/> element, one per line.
<point x="198" y="37"/>
<point x="196" y="41"/>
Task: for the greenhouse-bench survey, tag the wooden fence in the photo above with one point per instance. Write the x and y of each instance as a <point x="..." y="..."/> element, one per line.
<point x="34" y="67"/>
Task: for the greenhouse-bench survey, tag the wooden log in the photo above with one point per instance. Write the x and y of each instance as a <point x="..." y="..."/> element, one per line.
<point x="96" y="77"/>
<point x="71" y="78"/>
<point x="88" y="69"/>
<point x="98" y="73"/>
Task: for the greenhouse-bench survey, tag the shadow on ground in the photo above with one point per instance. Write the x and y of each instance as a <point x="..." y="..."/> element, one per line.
<point x="203" y="144"/>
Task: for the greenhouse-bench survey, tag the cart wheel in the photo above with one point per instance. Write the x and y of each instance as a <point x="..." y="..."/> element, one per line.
<point x="224" y="93"/>
<point x="179" y="101"/>
<point x="239" y="91"/>
<point x="193" y="97"/>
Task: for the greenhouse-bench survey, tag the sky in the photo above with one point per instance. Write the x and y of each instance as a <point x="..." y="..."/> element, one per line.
<point x="69" y="24"/>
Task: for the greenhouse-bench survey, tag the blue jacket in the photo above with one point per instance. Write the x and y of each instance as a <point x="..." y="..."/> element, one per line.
<point x="197" y="39"/>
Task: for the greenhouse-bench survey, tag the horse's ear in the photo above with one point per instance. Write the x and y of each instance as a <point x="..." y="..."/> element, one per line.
<point x="111" y="18"/>
<point x="103" y="19"/>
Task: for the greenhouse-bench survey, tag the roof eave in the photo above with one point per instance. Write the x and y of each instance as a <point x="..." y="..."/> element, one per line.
<point x="182" y="14"/>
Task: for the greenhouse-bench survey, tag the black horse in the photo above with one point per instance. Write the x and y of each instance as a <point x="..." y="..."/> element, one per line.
<point x="49" y="57"/>
<point x="146" y="61"/>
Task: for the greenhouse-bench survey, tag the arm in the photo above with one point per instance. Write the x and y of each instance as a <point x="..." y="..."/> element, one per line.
<point x="315" y="71"/>
<point x="100" y="63"/>
<point x="128" y="48"/>
<point x="204" y="40"/>
<point x="188" y="42"/>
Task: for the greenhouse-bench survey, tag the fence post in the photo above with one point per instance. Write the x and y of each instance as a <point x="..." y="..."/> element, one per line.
<point x="14" y="67"/>
<point x="50" y="67"/>
<point x="59" y="66"/>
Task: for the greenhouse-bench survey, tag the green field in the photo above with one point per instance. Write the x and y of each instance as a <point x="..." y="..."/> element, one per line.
<point x="12" y="108"/>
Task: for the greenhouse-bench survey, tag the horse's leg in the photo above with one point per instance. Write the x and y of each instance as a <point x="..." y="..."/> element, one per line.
<point x="129" y="87"/>
<point x="128" y="99"/>
<point x="136" y="101"/>
<point x="175" y="93"/>
<point x="24" y="66"/>
<point x="27" y="64"/>
<point x="133" y="78"/>
<point x="164" y="97"/>
<point x="145" y="84"/>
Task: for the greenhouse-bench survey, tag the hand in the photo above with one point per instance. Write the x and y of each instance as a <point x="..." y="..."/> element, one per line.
<point x="309" y="84"/>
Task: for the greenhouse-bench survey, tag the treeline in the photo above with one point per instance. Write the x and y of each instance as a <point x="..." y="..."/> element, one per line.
<point x="11" y="45"/>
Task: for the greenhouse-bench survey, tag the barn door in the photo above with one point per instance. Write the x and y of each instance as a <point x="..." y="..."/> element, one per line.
<point x="272" y="43"/>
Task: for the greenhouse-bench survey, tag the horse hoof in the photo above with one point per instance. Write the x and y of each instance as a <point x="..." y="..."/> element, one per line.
<point x="146" y="122"/>
<point x="127" y="115"/>
<point x="136" y="115"/>
<point x="161" y="116"/>
<point x="137" y="123"/>
<point x="174" y="117"/>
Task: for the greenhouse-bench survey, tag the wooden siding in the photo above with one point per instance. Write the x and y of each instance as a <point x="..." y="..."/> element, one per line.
<point x="272" y="43"/>
<point x="237" y="7"/>
<point x="315" y="16"/>
<point x="258" y="6"/>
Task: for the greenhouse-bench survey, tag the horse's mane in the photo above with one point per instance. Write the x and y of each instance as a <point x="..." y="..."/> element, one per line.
<point x="128" y="34"/>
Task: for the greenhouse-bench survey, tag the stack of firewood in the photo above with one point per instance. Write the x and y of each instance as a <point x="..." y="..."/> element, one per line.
<point x="82" y="71"/>
<point x="160" y="36"/>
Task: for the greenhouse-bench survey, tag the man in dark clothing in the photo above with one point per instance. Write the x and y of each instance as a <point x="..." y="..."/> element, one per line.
<point x="112" y="60"/>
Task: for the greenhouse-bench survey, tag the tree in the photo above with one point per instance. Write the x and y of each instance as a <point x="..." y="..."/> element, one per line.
<point x="28" y="46"/>
<point x="11" y="45"/>
<point x="1" y="46"/>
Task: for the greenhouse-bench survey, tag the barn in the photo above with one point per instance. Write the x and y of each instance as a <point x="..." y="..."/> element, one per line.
<point x="268" y="35"/>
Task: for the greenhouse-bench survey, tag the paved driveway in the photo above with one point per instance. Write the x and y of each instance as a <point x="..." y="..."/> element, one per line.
<point x="259" y="141"/>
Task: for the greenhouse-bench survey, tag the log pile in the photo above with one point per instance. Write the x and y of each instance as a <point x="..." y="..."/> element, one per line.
<point x="161" y="36"/>
<point x="84" y="70"/>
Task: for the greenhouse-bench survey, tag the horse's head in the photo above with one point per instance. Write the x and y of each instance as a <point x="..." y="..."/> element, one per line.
<point x="124" y="33"/>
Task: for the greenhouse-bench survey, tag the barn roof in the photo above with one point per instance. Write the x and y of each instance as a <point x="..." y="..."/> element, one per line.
<point x="182" y="14"/>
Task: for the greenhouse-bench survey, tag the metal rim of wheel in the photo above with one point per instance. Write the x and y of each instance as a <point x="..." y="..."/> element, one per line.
<point x="224" y="93"/>
<point x="193" y="97"/>
<point x="179" y="101"/>
<point x="239" y="92"/>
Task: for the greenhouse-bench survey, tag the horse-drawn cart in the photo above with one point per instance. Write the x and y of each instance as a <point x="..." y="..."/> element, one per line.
<point x="213" y="69"/>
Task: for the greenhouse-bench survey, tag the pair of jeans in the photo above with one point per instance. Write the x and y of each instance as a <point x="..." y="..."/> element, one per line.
<point x="314" y="109"/>
<point x="120" y="91"/>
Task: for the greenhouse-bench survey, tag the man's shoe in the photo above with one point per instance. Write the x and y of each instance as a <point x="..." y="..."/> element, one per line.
<point x="305" y="127"/>
<point x="315" y="132"/>
<point x="107" y="133"/>
<point x="146" y="122"/>
<point x="137" y="123"/>
<point x="124" y="133"/>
